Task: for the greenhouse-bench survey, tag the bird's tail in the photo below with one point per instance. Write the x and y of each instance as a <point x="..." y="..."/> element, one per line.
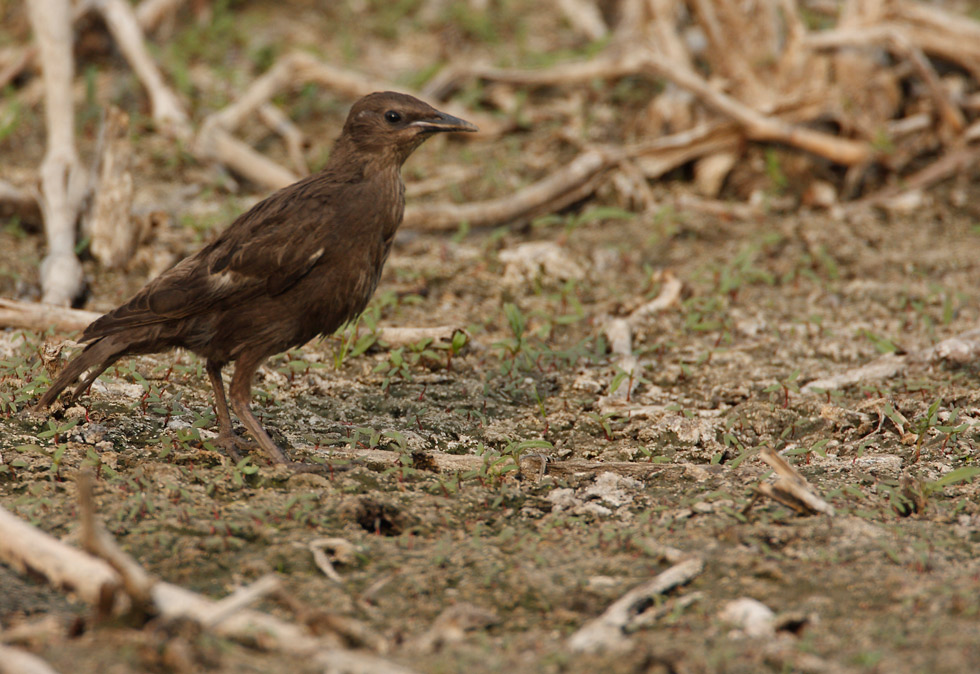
<point x="98" y="355"/>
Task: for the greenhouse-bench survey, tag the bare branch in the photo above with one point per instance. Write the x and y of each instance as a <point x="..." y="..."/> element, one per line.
<point x="40" y="316"/>
<point x="168" y="112"/>
<point x="30" y="550"/>
<point x="17" y="661"/>
<point x="96" y="540"/>
<point x="610" y="630"/>
<point x="62" y="177"/>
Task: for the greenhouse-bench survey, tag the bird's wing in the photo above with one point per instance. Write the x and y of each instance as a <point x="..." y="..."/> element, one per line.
<point x="265" y="251"/>
<point x="280" y="244"/>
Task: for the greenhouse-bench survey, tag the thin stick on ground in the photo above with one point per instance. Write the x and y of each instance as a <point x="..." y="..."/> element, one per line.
<point x="341" y="549"/>
<point x="32" y="551"/>
<point x="40" y="316"/>
<point x="790" y="488"/>
<point x="610" y="631"/>
<point x="961" y="349"/>
<point x="242" y="598"/>
<point x="96" y="540"/>
<point x="17" y="661"/>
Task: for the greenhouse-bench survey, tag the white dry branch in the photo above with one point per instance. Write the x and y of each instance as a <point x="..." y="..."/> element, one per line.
<point x="620" y="336"/>
<point x="41" y="316"/>
<point x="403" y="336"/>
<point x="62" y="176"/>
<point x="167" y="110"/>
<point x="619" y="332"/>
<point x="611" y="630"/>
<point x="31" y="551"/>
<point x="340" y="549"/>
<point x="17" y="661"/>
<point x="97" y="541"/>
<point x="961" y="349"/>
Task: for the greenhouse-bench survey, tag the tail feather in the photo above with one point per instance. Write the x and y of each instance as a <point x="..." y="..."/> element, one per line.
<point x="100" y="354"/>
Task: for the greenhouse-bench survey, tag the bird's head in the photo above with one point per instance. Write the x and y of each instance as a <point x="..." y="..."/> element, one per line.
<point x="391" y="125"/>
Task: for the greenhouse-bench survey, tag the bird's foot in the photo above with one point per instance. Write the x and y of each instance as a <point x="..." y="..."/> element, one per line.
<point x="234" y="445"/>
<point x="238" y="448"/>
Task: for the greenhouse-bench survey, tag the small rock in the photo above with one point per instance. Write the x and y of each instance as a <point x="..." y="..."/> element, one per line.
<point x="751" y="617"/>
<point x="594" y="508"/>
<point x="528" y="261"/>
<point x="610" y="488"/>
<point x="563" y="498"/>
<point x="93" y="434"/>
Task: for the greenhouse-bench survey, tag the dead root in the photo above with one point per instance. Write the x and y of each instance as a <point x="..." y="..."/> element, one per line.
<point x="112" y="582"/>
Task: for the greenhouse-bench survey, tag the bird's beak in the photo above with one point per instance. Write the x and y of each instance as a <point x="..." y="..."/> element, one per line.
<point x="440" y="121"/>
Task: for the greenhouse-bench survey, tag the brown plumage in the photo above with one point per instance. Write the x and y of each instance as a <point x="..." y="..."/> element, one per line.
<point x="298" y="264"/>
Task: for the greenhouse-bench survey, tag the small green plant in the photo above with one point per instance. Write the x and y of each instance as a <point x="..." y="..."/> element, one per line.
<point x="882" y="344"/>
<point x="922" y="424"/>
<point x="242" y="471"/>
<point x="807" y="452"/>
<point x="352" y="343"/>
<point x="786" y="386"/>
<point x="774" y="170"/>
<point x="575" y="221"/>
<point x="604" y="421"/>
<point x="11" y="114"/>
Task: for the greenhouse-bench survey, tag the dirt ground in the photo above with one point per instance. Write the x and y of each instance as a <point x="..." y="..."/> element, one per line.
<point x="524" y="557"/>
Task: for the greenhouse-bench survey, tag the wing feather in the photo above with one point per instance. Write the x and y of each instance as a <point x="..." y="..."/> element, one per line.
<point x="266" y="250"/>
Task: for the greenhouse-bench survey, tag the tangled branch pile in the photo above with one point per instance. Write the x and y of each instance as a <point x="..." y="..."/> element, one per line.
<point x="884" y="95"/>
<point x="768" y="102"/>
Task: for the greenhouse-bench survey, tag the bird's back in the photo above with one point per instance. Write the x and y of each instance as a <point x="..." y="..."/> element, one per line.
<point x="305" y="260"/>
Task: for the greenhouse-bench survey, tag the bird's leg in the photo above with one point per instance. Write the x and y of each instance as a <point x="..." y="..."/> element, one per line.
<point x="227" y="439"/>
<point x="240" y="393"/>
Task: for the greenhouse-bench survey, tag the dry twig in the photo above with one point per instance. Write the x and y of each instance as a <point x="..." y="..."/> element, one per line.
<point x="610" y="631"/>
<point x="790" y="488"/>
<point x="32" y="551"/>
<point x="41" y="316"/>
<point x="341" y="548"/>
<point x="168" y="112"/>
<point x="97" y="541"/>
<point x="17" y="661"/>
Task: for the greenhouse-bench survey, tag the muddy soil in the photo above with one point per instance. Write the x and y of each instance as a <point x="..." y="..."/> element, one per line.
<point x="523" y="552"/>
<point x="888" y="583"/>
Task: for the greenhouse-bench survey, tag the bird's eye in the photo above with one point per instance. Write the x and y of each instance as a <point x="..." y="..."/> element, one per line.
<point x="393" y="117"/>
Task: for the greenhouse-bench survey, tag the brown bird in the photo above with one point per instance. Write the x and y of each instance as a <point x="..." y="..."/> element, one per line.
<point x="296" y="265"/>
